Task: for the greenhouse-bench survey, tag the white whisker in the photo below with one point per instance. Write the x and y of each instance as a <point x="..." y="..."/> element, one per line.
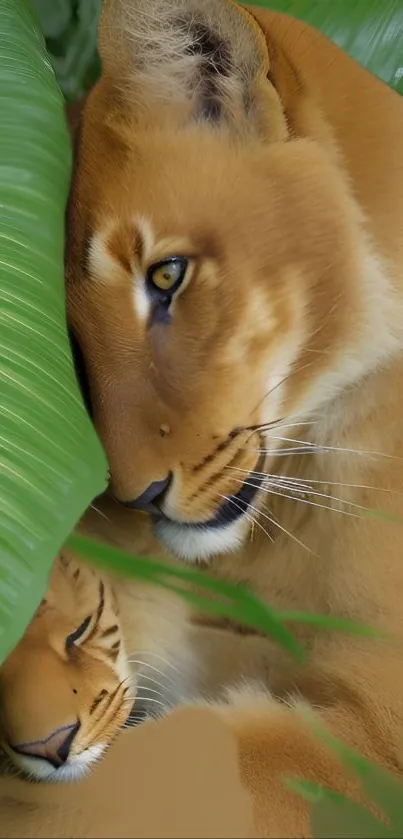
<point x="166" y="661"/>
<point x="310" y="491"/>
<point x="260" y="475"/>
<point x="154" y="701"/>
<point x="100" y="513"/>
<point x="248" y="516"/>
<point x="284" y="380"/>
<point x="280" y="494"/>
<point x="283" y="529"/>
<point x="311" y="445"/>
<point x="148" y="690"/>
<point x="151" y="666"/>
<point x="141" y="701"/>
<point x="301" y="482"/>
<point x="266" y="427"/>
<point x="278" y="487"/>
<point x="145" y="677"/>
<point x="274" y="522"/>
<point x="282" y="452"/>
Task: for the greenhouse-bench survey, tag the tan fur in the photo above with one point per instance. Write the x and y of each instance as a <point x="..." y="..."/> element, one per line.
<point x="47" y="685"/>
<point x="280" y="178"/>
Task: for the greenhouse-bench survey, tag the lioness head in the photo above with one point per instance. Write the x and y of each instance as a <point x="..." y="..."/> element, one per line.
<point x="214" y="267"/>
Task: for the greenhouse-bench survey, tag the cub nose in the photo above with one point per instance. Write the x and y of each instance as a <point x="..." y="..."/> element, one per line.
<point x="55" y="748"/>
<point x="149" y="500"/>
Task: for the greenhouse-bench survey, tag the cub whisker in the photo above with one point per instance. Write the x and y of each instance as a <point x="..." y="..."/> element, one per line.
<point x="148" y="690"/>
<point x="166" y="661"/>
<point x="142" y="663"/>
<point x="145" y="677"/>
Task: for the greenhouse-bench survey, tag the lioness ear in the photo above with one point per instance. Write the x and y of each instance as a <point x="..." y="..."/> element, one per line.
<point x="207" y="57"/>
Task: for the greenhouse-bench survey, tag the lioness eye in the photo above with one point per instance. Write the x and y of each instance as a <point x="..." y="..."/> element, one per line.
<point x="164" y="278"/>
<point x="76" y="635"/>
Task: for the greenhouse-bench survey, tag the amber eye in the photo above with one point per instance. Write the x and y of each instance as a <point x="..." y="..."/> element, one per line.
<point x="164" y="278"/>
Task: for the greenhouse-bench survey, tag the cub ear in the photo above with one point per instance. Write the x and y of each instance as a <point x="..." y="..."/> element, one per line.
<point x="209" y="58"/>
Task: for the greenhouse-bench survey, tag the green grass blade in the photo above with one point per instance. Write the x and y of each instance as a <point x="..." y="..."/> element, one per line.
<point x="231" y="601"/>
<point x="380" y="787"/>
<point x="235" y="602"/>
<point x="331" y="622"/>
<point x="335" y="817"/>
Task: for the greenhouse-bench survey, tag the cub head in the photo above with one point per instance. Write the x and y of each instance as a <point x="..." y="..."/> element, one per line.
<point x="214" y="266"/>
<point x="64" y="690"/>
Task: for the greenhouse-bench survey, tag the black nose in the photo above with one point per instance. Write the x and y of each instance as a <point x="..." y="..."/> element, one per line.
<point x="150" y="499"/>
<point x="55" y="748"/>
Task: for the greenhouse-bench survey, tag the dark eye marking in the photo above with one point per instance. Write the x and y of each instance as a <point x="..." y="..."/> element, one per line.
<point x="108" y="632"/>
<point x="161" y="314"/>
<point x="100" y="610"/>
<point x="163" y="279"/>
<point x="77" y="634"/>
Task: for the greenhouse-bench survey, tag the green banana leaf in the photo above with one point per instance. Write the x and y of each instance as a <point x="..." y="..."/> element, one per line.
<point x="51" y="463"/>
<point x="371" y="31"/>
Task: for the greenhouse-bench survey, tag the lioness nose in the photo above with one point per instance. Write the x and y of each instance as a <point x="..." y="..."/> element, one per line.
<point x="55" y="748"/>
<point x="148" y="500"/>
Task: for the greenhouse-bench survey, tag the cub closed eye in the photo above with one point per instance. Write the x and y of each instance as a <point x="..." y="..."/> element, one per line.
<point x="164" y="278"/>
<point x="78" y="633"/>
